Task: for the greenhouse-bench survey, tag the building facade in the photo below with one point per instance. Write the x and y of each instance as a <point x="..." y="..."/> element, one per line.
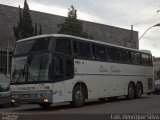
<point x="9" y="17"/>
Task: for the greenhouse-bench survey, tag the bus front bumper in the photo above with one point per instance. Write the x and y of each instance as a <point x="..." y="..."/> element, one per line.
<point x="4" y="100"/>
<point x="31" y="97"/>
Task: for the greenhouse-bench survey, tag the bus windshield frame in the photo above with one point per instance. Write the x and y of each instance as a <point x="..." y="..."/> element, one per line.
<point x="32" y="64"/>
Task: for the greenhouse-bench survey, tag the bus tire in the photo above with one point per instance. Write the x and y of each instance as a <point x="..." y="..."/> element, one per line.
<point x="139" y="90"/>
<point x="45" y="105"/>
<point x="15" y="104"/>
<point x="112" y="98"/>
<point x="131" y="91"/>
<point x="78" y="96"/>
<point x="102" y="100"/>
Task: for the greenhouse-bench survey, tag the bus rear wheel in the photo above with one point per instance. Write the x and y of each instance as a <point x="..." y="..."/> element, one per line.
<point x="102" y="100"/>
<point x="139" y="90"/>
<point x="112" y="98"/>
<point x="78" y="97"/>
<point x="131" y="91"/>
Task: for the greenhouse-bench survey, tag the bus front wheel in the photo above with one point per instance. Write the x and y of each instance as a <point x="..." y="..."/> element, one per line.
<point x="78" y="97"/>
<point x="45" y="105"/>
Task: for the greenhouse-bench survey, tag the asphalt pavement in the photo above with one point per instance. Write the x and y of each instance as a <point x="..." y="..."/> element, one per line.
<point x="93" y="109"/>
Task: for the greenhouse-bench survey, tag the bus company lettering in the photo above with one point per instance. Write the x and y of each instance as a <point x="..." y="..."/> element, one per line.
<point x="110" y="69"/>
<point x="103" y="69"/>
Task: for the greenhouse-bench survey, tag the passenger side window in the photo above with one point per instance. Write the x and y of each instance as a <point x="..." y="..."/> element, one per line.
<point x="99" y="52"/>
<point x="136" y="58"/>
<point x="125" y="56"/>
<point x="113" y="54"/>
<point x="145" y="59"/>
<point x="69" y="68"/>
<point x="59" y="68"/>
<point x="63" y="45"/>
<point x="81" y="49"/>
<point x="63" y="68"/>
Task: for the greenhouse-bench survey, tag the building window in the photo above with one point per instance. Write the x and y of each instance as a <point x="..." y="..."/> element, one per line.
<point x="5" y="61"/>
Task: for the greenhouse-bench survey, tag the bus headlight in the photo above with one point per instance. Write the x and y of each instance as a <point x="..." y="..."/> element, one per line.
<point x="13" y="101"/>
<point x="45" y="100"/>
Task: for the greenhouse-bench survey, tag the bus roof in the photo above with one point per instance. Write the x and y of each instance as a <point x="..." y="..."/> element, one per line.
<point x="83" y="39"/>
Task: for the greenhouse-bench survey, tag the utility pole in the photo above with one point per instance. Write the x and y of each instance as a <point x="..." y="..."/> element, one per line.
<point x="131" y="36"/>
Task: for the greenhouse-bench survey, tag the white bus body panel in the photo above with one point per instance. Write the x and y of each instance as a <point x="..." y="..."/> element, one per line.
<point x="111" y="79"/>
<point x="103" y="79"/>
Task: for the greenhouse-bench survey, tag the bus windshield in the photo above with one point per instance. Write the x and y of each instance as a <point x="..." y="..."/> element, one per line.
<point x="32" y="68"/>
<point x="31" y="61"/>
<point x="4" y="87"/>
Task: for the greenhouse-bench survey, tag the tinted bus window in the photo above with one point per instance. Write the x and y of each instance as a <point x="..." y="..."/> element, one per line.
<point x="136" y="58"/>
<point x="69" y="68"/>
<point x="58" y="68"/>
<point x="23" y="47"/>
<point x="81" y="49"/>
<point x="63" y="45"/>
<point x="40" y="44"/>
<point x="145" y="59"/>
<point x="114" y="55"/>
<point x="125" y="56"/>
<point x="75" y="49"/>
<point x="99" y="52"/>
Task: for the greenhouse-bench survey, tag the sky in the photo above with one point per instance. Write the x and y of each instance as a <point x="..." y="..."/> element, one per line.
<point x="142" y="14"/>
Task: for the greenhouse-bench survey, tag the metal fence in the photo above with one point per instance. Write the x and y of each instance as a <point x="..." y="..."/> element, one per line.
<point x="5" y="61"/>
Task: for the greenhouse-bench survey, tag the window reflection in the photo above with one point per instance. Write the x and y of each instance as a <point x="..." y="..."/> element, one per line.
<point x="38" y="67"/>
<point x="18" y="69"/>
<point x="31" y="69"/>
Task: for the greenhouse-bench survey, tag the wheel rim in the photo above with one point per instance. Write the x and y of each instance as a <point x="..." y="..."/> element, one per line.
<point x="79" y="96"/>
<point x="131" y="91"/>
<point x="139" y="91"/>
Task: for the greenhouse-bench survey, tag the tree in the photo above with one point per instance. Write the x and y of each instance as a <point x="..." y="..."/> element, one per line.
<point x="40" y="30"/>
<point x="72" y="26"/>
<point x="35" y="29"/>
<point x="25" y="27"/>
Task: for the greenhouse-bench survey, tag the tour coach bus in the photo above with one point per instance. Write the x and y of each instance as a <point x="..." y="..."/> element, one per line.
<point x="56" y="68"/>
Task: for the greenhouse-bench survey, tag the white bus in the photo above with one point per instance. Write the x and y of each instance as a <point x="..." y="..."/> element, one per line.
<point x="57" y="68"/>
